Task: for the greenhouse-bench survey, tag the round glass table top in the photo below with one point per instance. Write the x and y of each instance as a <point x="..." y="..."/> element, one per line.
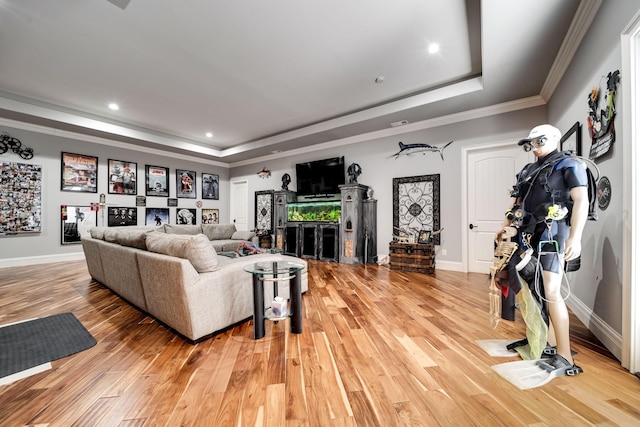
<point x="270" y="267"/>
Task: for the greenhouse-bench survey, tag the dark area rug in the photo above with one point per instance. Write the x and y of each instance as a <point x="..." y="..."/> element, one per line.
<point x="34" y="342"/>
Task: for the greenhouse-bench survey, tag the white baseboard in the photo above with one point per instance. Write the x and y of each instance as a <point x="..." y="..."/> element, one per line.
<point x="611" y="339"/>
<point x="450" y="266"/>
<point x="45" y="259"/>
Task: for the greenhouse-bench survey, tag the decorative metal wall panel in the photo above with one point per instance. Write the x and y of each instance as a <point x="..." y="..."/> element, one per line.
<point x="416" y="204"/>
<point x="264" y="211"/>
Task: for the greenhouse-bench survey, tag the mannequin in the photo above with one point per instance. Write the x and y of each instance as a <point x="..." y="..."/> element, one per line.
<point x="554" y="207"/>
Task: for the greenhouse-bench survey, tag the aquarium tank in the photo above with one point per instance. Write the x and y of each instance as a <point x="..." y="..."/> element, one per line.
<point x="314" y="211"/>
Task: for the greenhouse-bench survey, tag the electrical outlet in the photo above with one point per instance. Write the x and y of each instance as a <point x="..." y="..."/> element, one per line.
<point x="444" y="252"/>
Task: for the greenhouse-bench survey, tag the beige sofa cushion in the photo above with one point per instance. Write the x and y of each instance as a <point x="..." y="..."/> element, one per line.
<point x="197" y="249"/>
<point x="111" y="235"/>
<point x="97" y="232"/>
<point x="218" y="231"/>
<point x="242" y="235"/>
<point x="133" y="238"/>
<point x="182" y="229"/>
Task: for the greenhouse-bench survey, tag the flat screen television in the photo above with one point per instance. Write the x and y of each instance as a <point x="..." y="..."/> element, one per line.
<point x="320" y="177"/>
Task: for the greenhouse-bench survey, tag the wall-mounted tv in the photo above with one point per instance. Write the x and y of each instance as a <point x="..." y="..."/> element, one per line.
<point x="320" y="177"/>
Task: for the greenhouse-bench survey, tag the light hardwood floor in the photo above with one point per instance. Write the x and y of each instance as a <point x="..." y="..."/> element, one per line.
<point x="378" y="348"/>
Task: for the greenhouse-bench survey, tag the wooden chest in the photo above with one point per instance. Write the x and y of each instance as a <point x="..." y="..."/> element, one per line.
<point x="412" y="257"/>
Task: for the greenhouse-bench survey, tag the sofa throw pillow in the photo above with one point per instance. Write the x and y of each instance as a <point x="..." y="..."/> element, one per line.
<point x="182" y="229"/>
<point x="218" y="231"/>
<point x="242" y="235"/>
<point x="197" y="249"/>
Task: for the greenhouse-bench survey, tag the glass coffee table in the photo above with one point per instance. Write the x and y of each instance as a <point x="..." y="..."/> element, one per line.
<point x="275" y="272"/>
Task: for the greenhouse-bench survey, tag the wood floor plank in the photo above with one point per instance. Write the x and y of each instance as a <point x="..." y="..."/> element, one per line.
<point x="378" y="347"/>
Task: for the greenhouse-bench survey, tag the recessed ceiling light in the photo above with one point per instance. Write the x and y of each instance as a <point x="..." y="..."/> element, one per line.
<point x="209" y="135"/>
<point x="113" y="106"/>
<point x="433" y="48"/>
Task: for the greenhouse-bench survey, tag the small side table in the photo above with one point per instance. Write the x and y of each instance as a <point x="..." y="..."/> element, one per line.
<point x="276" y="271"/>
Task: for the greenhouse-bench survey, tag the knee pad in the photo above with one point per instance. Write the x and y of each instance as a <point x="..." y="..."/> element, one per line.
<point x="526" y="267"/>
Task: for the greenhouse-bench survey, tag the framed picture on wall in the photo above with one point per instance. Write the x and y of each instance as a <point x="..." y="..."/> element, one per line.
<point x="20" y="198"/>
<point x="122" y="177"/>
<point x="118" y="216"/>
<point x="157" y="181"/>
<point x="572" y="140"/>
<point x="186" y="216"/>
<point x="186" y="184"/>
<point x="79" y="173"/>
<point x="210" y="186"/>
<point x="210" y="216"/>
<point x="156" y="216"/>
<point x="76" y="223"/>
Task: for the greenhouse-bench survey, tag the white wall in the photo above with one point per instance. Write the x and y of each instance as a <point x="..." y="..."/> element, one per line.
<point x="28" y="249"/>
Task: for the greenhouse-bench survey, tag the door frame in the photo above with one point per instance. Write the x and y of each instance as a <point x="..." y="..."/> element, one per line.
<point x="232" y="200"/>
<point x="464" y="161"/>
<point x="630" y="47"/>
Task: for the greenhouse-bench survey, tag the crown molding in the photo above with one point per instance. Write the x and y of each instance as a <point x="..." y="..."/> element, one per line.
<point x="586" y="13"/>
<point x="46" y="130"/>
<point x="478" y="113"/>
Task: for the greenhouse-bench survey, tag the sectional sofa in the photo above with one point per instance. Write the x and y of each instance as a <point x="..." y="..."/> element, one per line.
<point x="175" y="273"/>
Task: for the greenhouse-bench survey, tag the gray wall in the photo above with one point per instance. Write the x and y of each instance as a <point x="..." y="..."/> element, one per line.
<point x="379" y="170"/>
<point x="48" y="149"/>
<point x="598" y="285"/>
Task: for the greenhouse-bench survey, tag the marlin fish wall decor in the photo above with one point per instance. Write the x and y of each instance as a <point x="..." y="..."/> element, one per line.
<point x="409" y="149"/>
<point x="264" y="173"/>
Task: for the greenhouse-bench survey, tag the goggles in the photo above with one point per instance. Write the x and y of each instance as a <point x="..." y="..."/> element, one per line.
<point x="534" y="143"/>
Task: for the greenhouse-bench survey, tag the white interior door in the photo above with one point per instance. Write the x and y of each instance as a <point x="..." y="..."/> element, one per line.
<point x="239" y="200"/>
<point x="491" y="174"/>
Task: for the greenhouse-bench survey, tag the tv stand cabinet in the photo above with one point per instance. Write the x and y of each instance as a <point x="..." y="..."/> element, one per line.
<point x="312" y="240"/>
<point x="352" y="241"/>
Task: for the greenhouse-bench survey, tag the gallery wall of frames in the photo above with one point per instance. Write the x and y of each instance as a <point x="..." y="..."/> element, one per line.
<point x="21" y="198"/>
<point x="123" y="178"/>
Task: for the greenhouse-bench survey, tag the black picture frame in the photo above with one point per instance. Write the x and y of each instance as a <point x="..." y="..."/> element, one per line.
<point x="156" y="216"/>
<point x="122" y="177"/>
<point x="416" y="204"/>
<point x="173" y="202"/>
<point x="157" y="181"/>
<point x="79" y="173"/>
<point x="424" y="236"/>
<point x="210" y="186"/>
<point x="122" y="216"/>
<point x="572" y="140"/>
<point x="186" y="216"/>
<point x="186" y="184"/>
<point x="76" y="222"/>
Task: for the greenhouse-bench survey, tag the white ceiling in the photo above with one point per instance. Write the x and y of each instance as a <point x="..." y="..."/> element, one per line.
<point x="265" y="76"/>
